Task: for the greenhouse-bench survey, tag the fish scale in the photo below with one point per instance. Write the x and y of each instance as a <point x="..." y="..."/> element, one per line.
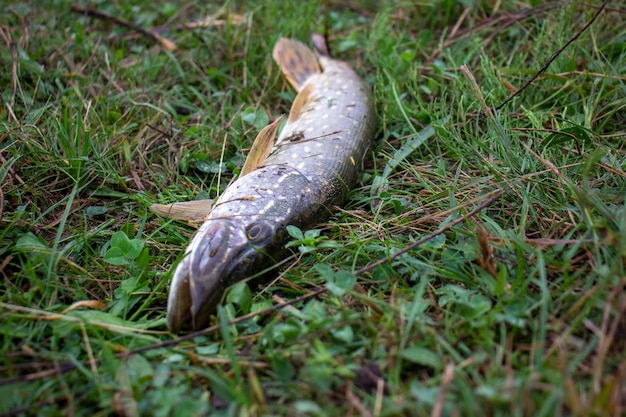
<point x="316" y="161"/>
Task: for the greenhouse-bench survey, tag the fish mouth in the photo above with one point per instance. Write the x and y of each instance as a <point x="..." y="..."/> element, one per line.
<point x="217" y="257"/>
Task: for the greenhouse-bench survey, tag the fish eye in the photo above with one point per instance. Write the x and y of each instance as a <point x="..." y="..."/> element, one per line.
<point x="257" y="232"/>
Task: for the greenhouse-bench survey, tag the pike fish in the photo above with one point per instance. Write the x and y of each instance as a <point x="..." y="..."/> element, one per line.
<point x="314" y="163"/>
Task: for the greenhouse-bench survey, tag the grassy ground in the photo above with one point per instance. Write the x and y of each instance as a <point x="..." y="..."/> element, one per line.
<point x="515" y="311"/>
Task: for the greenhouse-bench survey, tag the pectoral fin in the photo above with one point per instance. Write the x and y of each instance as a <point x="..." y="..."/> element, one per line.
<point x="192" y="211"/>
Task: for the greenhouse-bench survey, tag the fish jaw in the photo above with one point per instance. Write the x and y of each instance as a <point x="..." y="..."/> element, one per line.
<point x="220" y="254"/>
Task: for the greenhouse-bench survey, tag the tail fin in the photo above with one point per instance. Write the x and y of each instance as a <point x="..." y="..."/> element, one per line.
<point x="296" y="61"/>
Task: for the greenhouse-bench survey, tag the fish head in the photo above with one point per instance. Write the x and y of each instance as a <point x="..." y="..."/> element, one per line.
<point x="223" y="252"/>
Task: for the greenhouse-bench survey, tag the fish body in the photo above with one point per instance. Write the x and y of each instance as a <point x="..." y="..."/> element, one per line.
<point x="314" y="164"/>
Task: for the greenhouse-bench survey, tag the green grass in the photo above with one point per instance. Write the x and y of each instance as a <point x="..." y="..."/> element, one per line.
<point x="515" y="311"/>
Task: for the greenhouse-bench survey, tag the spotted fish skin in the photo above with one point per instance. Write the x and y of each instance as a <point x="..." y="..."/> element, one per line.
<point x="316" y="161"/>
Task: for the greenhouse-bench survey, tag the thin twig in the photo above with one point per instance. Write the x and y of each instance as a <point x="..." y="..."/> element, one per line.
<point x="616" y="303"/>
<point x="495" y="195"/>
<point x="459" y="22"/>
<point x="448" y="374"/>
<point x="356" y="401"/>
<point x="508" y="20"/>
<point x="68" y="366"/>
<point x="5" y="32"/>
<point x="554" y="56"/>
<point x="166" y="43"/>
<point x="209" y="21"/>
<point x="328" y="51"/>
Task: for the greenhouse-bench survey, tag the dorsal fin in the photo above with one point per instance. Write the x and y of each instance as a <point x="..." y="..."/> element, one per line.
<point x="298" y="104"/>
<point x="261" y="148"/>
<point x="297" y="62"/>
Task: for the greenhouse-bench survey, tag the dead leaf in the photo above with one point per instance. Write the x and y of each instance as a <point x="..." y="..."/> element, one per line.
<point x="486" y="258"/>
<point x="85" y="303"/>
<point x="231" y="18"/>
